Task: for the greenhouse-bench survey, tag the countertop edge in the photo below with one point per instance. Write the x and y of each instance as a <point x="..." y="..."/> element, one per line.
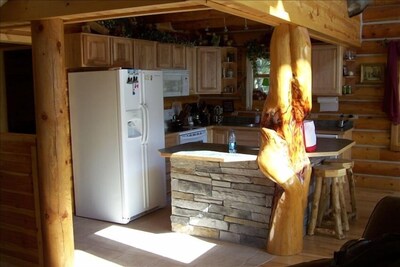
<point x="326" y="147"/>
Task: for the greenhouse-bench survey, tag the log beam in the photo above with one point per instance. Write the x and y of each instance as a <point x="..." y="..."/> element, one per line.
<point x="53" y="142"/>
<point x="282" y="156"/>
<point x="327" y="21"/>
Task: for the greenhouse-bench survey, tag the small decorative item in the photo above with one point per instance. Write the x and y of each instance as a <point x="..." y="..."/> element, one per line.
<point x="345" y="71"/>
<point x="372" y="73"/>
<point x="215" y="39"/>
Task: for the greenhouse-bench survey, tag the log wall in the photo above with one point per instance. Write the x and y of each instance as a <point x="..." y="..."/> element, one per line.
<point x="20" y="232"/>
<point x="376" y="165"/>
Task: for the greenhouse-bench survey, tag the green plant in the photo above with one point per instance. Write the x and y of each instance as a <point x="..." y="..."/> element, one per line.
<point x="255" y="50"/>
<point x="133" y="28"/>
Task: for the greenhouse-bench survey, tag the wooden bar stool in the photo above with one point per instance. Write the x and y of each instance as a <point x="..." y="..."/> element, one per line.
<point x="348" y="164"/>
<point x="334" y="175"/>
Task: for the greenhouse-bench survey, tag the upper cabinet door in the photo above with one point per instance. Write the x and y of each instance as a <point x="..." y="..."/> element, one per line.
<point x="87" y="50"/>
<point x="122" y="52"/>
<point x="208" y="70"/>
<point x="96" y="50"/>
<point x="178" y="56"/>
<point x="171" y="56"/>
<point x="164" y="56"/>
<point x="327" y="68"/>
<point x="144" y="54"/>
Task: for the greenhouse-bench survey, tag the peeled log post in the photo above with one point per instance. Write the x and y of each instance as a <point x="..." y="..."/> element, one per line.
<point x="53" y="142"/>
<point x="282" y="157"/>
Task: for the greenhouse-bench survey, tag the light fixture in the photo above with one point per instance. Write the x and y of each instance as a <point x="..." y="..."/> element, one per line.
<point x="225" y="28"/>
<point x="245" y="25"/>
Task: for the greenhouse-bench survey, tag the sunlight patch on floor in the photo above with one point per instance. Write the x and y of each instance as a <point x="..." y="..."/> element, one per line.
<point x="176" y="246"/>
<point x="84" y="259"/>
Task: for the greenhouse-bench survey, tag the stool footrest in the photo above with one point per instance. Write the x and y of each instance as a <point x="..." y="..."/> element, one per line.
<point x="326" y="231"/>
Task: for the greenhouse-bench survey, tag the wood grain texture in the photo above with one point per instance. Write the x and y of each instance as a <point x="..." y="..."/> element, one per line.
<point x="387" y="30"/>
<point x="371" y="137"/>
<point x="379" y="13"/>
<point x="282" y="156"/>
<point x="370" y="47"/>
<point x="325" y="20"/>
<point x="20" y="227"/>
<point x="53" y="135"/>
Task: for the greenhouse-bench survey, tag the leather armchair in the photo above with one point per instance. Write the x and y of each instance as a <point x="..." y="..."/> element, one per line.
<point x="379" y="244"/>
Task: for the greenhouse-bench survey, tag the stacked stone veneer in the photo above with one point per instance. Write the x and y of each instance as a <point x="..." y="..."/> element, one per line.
<point x="228" y="201"/>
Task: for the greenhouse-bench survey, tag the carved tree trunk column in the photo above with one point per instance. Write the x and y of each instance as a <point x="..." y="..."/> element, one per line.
<point x="282" y="157"/>
<point x="53" y="141"/>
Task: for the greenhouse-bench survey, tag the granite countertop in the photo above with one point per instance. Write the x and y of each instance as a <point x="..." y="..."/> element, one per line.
<point x="321" y="126"/>
<point x="326" y="147"/>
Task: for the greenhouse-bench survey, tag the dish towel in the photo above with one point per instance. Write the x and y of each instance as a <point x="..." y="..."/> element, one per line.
<point x="391" y="99"/>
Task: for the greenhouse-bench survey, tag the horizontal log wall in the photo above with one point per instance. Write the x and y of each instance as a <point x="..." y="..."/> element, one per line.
<point x="20" y="232"/>
<point x="376" y="165"/>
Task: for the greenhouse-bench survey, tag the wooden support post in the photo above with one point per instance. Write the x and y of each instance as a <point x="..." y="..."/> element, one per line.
<point x="282" y="157"/>
<point x="53" y="142"/>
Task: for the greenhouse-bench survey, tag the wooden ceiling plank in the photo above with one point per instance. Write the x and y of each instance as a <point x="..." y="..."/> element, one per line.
<point x="12" y="38"/>
<point x="326" y="20"/>
<point x="141" y="13"/>
<point x="84" y="10"/>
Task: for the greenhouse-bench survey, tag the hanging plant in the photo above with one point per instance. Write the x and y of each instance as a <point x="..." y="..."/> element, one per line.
<point x="255" y="50"/>
<point x="132" y="28"/>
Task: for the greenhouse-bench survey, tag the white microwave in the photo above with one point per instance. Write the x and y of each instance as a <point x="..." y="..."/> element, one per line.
<point x="175" y="82"/>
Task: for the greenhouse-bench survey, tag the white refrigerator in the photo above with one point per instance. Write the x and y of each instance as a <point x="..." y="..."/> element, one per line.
<point x="117" y="128"/>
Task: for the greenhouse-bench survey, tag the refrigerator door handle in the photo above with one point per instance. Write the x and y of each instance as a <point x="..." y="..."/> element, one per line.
<point x="143" y="118"/>
<point x="145" y="124"/>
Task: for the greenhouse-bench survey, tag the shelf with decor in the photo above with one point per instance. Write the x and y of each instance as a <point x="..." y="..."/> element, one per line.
<point x="349" y="73"/>
<point x="229" y="70"/>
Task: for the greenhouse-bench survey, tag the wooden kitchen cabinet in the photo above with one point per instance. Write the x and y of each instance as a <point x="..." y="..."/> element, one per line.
<point x="191" y="66"/>
<point x="121" y="52"/>
<point x="171" y="139"/>
<point x="171" y="56"/>
<point x="178" y="56"/>
<point x="327" y="69"/>
<point x="208" y="70"/>
<point x="144" y="54"/>
<point x="220" y="135"/>
<point x="245" y="136"/>
<point x="248" y="136"/>
<point x="87" y="50"/>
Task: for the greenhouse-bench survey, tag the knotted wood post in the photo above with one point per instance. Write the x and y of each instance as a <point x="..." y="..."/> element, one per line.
<point x="53" y="142"/>
<point x="282" y="157"/>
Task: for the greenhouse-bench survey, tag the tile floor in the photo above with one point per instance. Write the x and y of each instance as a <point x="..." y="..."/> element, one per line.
<point x="148" y="241"/>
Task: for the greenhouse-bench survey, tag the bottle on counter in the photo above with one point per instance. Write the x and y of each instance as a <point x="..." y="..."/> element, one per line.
<point x="232" y="141"/>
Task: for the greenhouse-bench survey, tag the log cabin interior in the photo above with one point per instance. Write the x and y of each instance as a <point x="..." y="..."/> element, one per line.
<point x="37" y="50"/>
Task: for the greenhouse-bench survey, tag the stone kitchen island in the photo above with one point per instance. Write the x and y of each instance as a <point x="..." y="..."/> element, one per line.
<point x="225" y="196"/>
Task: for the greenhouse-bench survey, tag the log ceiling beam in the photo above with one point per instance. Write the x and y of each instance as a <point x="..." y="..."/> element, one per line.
<point x="73" y="11"/>
<point x="325" y="20"/>
<point x="16" y="37"/>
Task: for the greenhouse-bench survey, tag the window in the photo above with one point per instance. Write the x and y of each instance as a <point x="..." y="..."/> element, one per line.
<point x="258" y="82"/>
<point x="261" y="75"/>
